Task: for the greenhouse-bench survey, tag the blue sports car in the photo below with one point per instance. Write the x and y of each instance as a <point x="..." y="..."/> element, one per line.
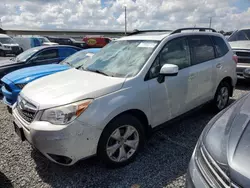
<point x="13" y="82"/>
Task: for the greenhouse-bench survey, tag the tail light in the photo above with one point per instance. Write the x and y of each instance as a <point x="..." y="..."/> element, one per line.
<point x="235" y="58"/>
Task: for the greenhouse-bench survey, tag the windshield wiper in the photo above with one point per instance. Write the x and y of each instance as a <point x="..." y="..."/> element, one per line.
<point x="67" y="63"/>
<point x="94" y="70"/>
<point x="97" y="71"/>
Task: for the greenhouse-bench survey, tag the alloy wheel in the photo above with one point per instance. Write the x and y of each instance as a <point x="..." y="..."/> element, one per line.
<point x="222" y="98"/>
<point x="122" y="143"/>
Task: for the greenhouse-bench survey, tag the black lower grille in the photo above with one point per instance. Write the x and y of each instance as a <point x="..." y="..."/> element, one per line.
<point x="213" y="171"/>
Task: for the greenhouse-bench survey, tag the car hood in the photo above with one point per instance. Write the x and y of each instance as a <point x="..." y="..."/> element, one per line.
<point x="69" y="86"/>
<point x="29" y="74"/>
<point x="228" y="141"/>
<point x="5" y="63"/>
<point x="244" y="45"/>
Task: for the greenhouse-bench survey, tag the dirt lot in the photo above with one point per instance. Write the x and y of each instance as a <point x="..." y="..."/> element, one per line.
<point x="162" y="163"/>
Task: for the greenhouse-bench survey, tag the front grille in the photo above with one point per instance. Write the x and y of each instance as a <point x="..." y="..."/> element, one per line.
<point x="212" y="172"/>
<point x="15" y="48"/>
<point x="21" y="86"/>
<point x="243" y="60"/>
<point x="242" y="53"/>
<point x="26" y="110"/>
<point x="243" y="56"/>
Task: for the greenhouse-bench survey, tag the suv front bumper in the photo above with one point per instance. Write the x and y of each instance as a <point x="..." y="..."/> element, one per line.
<point x="58" y="142"/>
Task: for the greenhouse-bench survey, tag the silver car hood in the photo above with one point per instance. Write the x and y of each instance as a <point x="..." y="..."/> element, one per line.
<point x="69" y="86"/>
<point x="228" y="141"/>
<point x="243" y="45"/>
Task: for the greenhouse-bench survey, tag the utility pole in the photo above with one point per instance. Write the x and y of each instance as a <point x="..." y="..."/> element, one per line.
<point x="1" y="26"/>
<point x="210" y="22"/>
<point x="125" y="7"/>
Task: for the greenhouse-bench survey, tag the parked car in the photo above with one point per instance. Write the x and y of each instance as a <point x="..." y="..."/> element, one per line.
<point x="68" y="41"/>
<point x="8" y="46"/>
<point x="27" y="42"/>
<point x="96" y="41"/>
<point x="36" y="56"/>
<point x="221" y="156"/>
<point x="45" y="41"/>
<point x="130" y="87"/>
<point x="240" y="43"/>
<point x="14" y="82"/>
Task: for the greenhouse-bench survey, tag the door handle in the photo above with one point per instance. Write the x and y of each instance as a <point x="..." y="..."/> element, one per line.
<point x="218" y="66"/>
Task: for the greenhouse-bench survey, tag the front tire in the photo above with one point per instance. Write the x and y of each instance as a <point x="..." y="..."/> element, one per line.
<point x="121" y="140"/>
<point x="221" y="97"/>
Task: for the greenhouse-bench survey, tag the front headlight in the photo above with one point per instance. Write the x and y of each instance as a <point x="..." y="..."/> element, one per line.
<point x="65" y="114"/>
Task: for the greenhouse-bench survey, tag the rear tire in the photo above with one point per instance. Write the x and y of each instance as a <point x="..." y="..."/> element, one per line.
<point x="2" y="53"/>
<point x="221" y="97"/>
<point x="120" y="141"/>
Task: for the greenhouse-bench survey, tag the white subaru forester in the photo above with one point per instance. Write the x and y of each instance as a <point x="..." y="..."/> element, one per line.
<point x="131" y="86"/>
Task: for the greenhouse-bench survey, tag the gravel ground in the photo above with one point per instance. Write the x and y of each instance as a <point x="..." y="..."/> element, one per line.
<point x="162" y="163"/>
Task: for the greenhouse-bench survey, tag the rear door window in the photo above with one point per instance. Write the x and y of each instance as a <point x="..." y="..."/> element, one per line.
<point x="202" y="49"/>
<point x="65" y="52"/>
<point x="220" y="46"/>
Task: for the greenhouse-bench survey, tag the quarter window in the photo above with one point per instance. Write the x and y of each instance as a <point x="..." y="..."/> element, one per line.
<point x="220" y="46"/>
<point x="201" y="48"/>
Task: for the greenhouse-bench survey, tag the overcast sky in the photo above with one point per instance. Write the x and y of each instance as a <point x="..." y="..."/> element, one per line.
<point x="109" y="14"/>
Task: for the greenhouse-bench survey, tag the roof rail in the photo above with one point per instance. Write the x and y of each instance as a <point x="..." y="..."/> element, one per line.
<point x="193" y="28"/>
<point x="136" y="31"/>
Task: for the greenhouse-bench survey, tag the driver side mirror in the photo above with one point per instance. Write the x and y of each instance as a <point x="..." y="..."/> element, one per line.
<point x="168" y="70"/>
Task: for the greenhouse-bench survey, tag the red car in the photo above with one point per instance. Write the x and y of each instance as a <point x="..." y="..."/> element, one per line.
<point x="96" y="41"/>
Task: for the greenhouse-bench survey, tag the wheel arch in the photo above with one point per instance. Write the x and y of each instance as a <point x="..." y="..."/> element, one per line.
<point x="139" y="114"/>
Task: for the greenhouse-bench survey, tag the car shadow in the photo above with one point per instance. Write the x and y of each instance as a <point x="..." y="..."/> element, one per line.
<point x="243" y="85"/>
<point x="164" y="158"/>
<point x="4" y="181"/>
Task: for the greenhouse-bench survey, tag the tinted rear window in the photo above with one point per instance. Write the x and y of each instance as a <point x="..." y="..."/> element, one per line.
<point x="220" y="46"/>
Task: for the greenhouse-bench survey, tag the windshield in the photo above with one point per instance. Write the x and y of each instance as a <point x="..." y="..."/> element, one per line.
<point x="6" y="40"/>
<point x="78" y="59"/>
<point x="121" y="58"/>
<point x="25" y="55"/>
<point x="240" y="35"/>
<point x="43" y="39"/>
